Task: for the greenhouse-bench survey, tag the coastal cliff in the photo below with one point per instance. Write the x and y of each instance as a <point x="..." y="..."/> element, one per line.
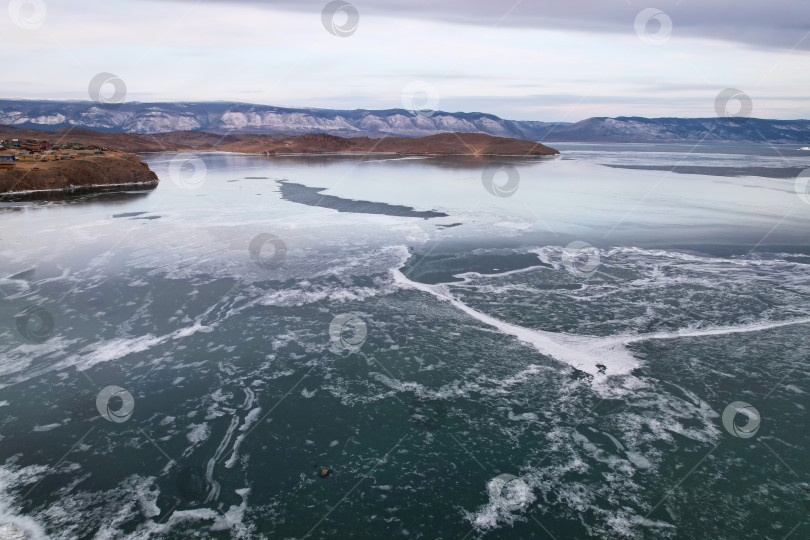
<point x="86" y="173"/>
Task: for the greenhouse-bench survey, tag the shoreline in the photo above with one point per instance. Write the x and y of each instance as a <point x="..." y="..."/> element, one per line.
<point x="347" y="154"/>
<point x="90" y="188"/>
<point x="397" y="154"/>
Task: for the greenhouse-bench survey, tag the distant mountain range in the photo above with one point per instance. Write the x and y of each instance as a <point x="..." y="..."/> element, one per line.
<point x="222" y="117"/>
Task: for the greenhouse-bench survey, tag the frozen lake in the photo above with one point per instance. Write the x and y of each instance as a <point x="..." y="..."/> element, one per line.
<point x="474" y="348"/>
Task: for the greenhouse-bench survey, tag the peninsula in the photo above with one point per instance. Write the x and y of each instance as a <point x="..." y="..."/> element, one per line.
<point x="80" y="159"/>
<point x="443" y="144"/>
<point x="42" y="164"/>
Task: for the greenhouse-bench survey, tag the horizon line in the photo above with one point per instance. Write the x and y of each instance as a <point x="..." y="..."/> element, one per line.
<point x="227" y="102"/>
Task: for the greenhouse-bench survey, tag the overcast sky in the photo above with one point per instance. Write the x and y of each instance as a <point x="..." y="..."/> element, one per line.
<point x="529" y="59"/>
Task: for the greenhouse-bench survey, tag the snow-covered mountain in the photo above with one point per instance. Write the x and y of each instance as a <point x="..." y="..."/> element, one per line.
<point x="221" y="117"/>
<point x="636" y="129"/>
<point x="246" y="118"/>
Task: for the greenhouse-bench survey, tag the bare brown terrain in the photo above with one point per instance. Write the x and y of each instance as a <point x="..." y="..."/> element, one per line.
<point x="106" y="170"/>
<point x="476" y="144"/>
<point x="479" y="144"/>
<point x="126" y="142"/>
<point x="118" y="165"/>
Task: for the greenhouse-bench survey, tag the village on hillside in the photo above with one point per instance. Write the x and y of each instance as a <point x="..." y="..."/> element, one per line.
<point x="13" y="151"/>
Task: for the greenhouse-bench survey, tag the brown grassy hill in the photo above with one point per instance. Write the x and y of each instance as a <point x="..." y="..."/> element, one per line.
<point x="312" y="143"/>
<point x="116" y="167"/>
<point x="126" y="142"/>
<point x="478" y="144"/>
<point x="106" y="170"/>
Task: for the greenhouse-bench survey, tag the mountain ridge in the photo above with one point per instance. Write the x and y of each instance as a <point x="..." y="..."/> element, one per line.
<point x="225" y="117"/>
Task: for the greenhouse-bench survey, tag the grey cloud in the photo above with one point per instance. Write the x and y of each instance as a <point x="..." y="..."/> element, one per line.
<point x="782" y="24"/>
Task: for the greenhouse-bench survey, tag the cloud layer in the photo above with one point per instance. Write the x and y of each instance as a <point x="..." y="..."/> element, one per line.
<point x="782" y="24"/>
<point x="526" y="60"/>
